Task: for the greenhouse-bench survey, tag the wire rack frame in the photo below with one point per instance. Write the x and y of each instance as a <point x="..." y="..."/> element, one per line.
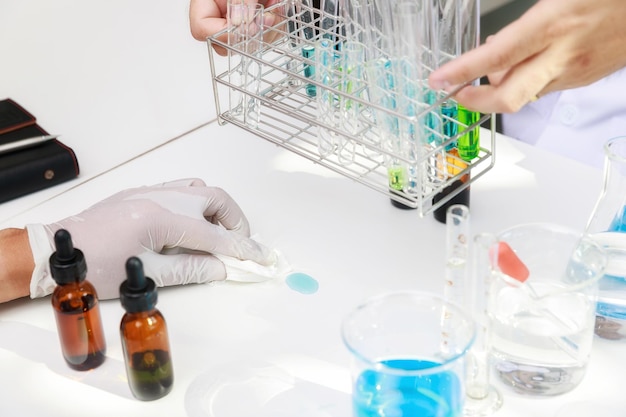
<point x="288" y="117"/>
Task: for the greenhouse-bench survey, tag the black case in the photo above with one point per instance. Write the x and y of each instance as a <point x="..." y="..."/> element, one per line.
<point x="13" y="116"/>
<point x="27" y="170"/>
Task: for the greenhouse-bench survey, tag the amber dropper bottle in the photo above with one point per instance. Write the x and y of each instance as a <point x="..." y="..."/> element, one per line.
<point x="144" y="336"/>
<point x="75" y="304"/>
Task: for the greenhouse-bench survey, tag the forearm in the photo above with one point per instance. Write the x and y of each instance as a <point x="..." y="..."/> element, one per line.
<point x="16" y="264"/>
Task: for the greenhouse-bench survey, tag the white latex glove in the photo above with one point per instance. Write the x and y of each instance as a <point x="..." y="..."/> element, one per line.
<point x="149" y="222"/>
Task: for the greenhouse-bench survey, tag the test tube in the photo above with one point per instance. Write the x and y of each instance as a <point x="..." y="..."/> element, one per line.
<point x="456" y="271"/>
<point x="459" y="28"/>
<point x="375" y="18"/>
<point x="410" y="21"/>
<point x="245" y="35"/>
<point x="350" y="71"/>
<point x="363" y="25"/>
<point x="327" y="110"/>
<point x="341" y="63"/>
<point x="450" y="167"/>
<point x="307" y="24"/>
<point x="482" y="398"/>
<point x="255" y="30"/>
<point x="293" y="11"/>
<point x="351" y="68"/>
<point x="236" y="61"/>
<point x="355" y="116"/>
<point x="468" y="143"/>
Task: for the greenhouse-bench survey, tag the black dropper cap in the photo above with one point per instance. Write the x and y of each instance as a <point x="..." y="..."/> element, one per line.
<point x="67" y="264"/>
<point x="138" y="292"/>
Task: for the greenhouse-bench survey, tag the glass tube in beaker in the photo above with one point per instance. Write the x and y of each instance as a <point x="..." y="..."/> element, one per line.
<point x="482" y="398"/>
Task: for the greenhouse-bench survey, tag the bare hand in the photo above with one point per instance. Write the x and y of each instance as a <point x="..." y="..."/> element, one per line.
<point x="208" y="17"/>
<point x="556" y="45"/>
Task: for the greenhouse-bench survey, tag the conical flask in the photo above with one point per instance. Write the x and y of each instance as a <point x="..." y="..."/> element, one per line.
<point x="607" y="225"/>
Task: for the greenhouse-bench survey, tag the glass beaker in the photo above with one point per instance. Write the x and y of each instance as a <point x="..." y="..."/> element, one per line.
<point x="607" y="225"/>
<point x="401" y="367"/>
<point x="542" y="307"/>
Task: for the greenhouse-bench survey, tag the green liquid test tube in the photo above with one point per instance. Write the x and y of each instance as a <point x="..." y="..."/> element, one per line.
<point x="397" y="177"/>
<point x="469" y="143"/>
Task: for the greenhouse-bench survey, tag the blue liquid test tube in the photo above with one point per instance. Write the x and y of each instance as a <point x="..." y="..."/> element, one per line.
<point x="304" y="18"/>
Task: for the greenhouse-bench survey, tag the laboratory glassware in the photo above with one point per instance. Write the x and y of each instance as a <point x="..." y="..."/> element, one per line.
<point x="76" y="308"/>
<point x="356" y="15"/>
<point x="410" y="27"/>
<point x="467" y="282"/>
<point x="334" y="59"/>
<point x="302" y="35"/>
<point x="327" y="101"/>
<point x="483" y="398"/>
<point x="370" y="115"/>
<point x="400" y="366"/>
<point x="144" y="336"/>
<point x="457" y="288"/>
<point x="542" y="307"/>
<point x="607" y="225"/>
<point x="245" y="35"/>
<point x="456" y="169"/>
<point x="459" y="32"/>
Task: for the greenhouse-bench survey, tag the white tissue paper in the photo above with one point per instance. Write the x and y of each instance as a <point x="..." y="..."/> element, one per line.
<point x="249" y="271"/>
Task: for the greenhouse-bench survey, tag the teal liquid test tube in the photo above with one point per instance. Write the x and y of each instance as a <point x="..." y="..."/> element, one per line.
<point x="304" y="21"/>
<point x="308" y="53"/>
<point x="449" y="114"/>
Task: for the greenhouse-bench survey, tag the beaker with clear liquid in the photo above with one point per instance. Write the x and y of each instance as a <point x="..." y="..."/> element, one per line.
<point x="542" y="319"/>
<point x="607" y="225"/>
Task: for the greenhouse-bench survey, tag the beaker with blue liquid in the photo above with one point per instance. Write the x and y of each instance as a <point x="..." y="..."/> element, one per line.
<point x="607" y="225"/>
<point x="405" y="361"/>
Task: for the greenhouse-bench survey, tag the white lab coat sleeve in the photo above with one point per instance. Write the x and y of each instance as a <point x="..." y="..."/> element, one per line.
<point x="575" y="123"/>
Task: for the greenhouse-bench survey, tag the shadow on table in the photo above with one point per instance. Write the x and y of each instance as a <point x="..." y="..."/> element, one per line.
<point x="42" y="346"/>
<point x="261" y="389"/>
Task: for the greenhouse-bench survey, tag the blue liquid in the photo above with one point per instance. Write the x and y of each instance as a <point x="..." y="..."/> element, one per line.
<point x="614" y="282"/>
<point x="308" y="52"/>
<point x="450" y="128"/>
<point x="379" y="394"/>
<point x="302" y="283"/>
<point x="619" y="222"/>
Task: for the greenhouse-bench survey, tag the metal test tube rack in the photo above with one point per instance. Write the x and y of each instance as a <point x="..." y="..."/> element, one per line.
<point x="289" y="119"/>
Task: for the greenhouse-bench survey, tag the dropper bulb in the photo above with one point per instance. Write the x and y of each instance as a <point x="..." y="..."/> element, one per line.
<point x="135" y="275"/>
<point x="67" y="263"/>
<point x="137" y="292"/>
<point x="64" y="245"/>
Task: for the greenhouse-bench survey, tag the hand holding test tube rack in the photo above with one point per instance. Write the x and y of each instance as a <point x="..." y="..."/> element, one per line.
<point x="344" y="84"/>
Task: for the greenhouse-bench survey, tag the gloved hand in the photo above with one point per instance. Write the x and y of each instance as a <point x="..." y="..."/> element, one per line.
<point x="149" y="222"/>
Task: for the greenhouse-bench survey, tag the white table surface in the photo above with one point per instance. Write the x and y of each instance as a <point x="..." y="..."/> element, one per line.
<point x="114" y="78"/>
<point x="346" y="236"/>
